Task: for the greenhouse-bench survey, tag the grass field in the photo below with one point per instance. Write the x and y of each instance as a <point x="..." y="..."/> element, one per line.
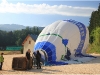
<point x="93" y="49"/>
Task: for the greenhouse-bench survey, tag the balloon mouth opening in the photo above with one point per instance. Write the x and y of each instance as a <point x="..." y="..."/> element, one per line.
<point x="44" y="54"/>
<point x="48" y="49"/>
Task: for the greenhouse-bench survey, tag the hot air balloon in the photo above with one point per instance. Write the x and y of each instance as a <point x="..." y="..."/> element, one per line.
<point x="60" y="35"/>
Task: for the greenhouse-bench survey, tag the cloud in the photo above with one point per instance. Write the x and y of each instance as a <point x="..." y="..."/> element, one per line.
<point x="65" y="10"/>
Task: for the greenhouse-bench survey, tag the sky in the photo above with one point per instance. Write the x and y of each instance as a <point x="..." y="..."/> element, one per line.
<point x="44" y="12"/>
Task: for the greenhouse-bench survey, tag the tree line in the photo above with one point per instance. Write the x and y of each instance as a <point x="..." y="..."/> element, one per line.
<point x="15" y="38"/>
<point x="94" y="31"/>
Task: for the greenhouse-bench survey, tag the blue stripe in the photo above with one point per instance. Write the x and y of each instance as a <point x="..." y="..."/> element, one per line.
<point x="57" y="63"/>
<point x="82" y="30"/>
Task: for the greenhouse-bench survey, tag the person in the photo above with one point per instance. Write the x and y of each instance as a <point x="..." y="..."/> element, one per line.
<point x="28" y="58"/>
<point x="1" y="60"/>
<point x="34" y="58"/>
<point x="67" y="56"/>
<point x="38" y="57"/>
<point x="76" y="53"/>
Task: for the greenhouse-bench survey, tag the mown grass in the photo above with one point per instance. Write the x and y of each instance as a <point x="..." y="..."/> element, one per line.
<point x="93" y="49"/>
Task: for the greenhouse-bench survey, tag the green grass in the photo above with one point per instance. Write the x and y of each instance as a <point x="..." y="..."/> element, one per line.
<point x="93" y="49"/>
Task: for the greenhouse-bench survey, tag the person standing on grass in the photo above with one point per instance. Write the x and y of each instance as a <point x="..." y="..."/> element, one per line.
<point x="1" y="60"/>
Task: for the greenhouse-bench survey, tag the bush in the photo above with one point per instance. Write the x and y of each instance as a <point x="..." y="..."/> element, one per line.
<point x="21" y="50"/>
<point x="94" y="47"/>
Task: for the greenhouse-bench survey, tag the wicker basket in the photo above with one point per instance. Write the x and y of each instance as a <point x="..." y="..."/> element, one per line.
<point x="20" y="63"/>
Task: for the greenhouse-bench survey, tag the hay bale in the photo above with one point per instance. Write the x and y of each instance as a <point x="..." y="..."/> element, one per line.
<point x="20" y="63"/>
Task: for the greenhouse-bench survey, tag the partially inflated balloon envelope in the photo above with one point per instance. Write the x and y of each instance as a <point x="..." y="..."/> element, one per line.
<point x="60" y="35"/>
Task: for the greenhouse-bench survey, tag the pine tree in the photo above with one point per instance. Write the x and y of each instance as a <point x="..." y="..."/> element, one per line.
<point x="99" y="7"/>
<point x="95" y="19"/>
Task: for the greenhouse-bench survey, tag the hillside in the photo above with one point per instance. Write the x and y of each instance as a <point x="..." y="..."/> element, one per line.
<point x="12" y="27"/>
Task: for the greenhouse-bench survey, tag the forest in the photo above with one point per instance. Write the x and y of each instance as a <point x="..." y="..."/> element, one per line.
<point x="15" y="38"/>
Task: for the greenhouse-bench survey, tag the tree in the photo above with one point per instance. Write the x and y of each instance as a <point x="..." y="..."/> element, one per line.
<point x="95" y="19"/>
<point x="3" y="39"/>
